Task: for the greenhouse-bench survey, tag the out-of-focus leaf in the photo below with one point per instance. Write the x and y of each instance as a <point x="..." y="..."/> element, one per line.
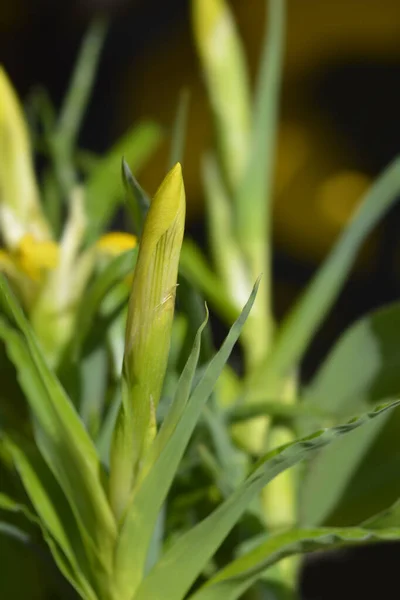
<point x="225" y="70"/>
<point x="152" y="490"/>
<point x="362" y="369"/>
<point x="57" y="522"/>
<point x="77" y="96"/>
<point x="179" y="130"/>
<point x="104" y="191"/>
<point x="116" y="271"/>
<point x="236" y="578"/>
<point x="285" y="413"/>
<point x="253" y="201"/>
<point x="390" y="517"/>
<point x="207" y="536"/>
<point x="253" y="197"/>
<point x="94" y="375"/>
<point x="225" y="249"/>
<point x="59" y="434"/>
<point x="20" y="210"/>
<point x="195" y="269"/>
<point x="137" y="200"/>
<point x="9" y="504"/>
<point x="14" y="532"/>
<point x="303" y="321"/>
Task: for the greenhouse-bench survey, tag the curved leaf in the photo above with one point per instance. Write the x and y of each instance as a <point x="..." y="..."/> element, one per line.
<point x="304" y="319"/>
<point x="192" y="551"/>
<point x="153" y="490"/>
<point x="362" y="369"/>
<point x="234" y="580"/>
<point x="104" y="190"/>
<point x="59" y="433"/>
<point x="55" y="517"/>
<point x="179" y="129"/>
<point x="115" y="272"/>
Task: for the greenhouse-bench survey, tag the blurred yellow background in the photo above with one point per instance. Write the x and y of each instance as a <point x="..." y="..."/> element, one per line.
<point x="339" y="123"/>
<point x="319" y="174"/>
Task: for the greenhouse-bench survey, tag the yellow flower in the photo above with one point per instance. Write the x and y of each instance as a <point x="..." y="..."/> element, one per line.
<point x="116" y="242"/>
<point x="34" y="257"/>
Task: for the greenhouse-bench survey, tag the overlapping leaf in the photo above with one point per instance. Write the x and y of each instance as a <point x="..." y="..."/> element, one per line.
<point x="192" y="551"/>
<point x="59" y="434"/>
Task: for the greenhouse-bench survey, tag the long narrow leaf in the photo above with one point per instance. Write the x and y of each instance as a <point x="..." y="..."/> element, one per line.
<point x="362" y="369"/>
<point x="207" y="536"/>
<point x="234" y="580"/>
<point x="179" y="403"/>
<point x="115" y="272"/>
<point x="137" y="200"/>
<point x="104" y="190"/>
<point x="305" y="318"/>
<point x="147" y="502"/>
<point x="179" y="130"/>
<point x="195" y="269"/>
<point x="60" y="435"/>
<point x="54" y="514"/>
<point x="253" y="200"/>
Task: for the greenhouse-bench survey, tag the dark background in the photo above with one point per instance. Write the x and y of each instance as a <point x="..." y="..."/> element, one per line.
<point x="340" y="108"/>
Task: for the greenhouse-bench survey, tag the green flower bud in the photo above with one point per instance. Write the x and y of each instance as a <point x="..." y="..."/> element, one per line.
<point x="148" y="333"/>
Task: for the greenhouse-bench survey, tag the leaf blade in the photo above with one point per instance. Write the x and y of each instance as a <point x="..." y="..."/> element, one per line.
<point x="154" y="488"/>
<point x="208" y="534"/>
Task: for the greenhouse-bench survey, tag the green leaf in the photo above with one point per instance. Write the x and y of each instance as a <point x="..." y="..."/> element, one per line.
<point x="104" y="191"/>
<point x="137" y="200"/>
<point x="195" y="269"/>
<point x="390" y="517"/>
<point x="177" y="408"/>
<point x="179" y="130"/>
<point x="236" y="578"/>
<point x="288" y="414"/>
<point x="253" y="199"/>
<point x="11" y="505"/>
<point x="226" y="253"/>
<point x="59" y="433"/>
<point x="82" y="80"/>
<point x="152" y="491"/>
<point x="193" y="549"/>
<point x="55" y="517"/>
<point x="94" y="379"/>
<point x="301" y="324"/>
<point x="114" y="273"/>
<point x="223" y="62"/>
<point x="14" y="532"/>
<point x="362" y="369"/>
<point x="257" y="180"/>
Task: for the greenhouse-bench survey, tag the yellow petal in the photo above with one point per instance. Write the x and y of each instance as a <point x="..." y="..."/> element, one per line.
<point x="36" y="256"/>
<point x="116" y="242"/>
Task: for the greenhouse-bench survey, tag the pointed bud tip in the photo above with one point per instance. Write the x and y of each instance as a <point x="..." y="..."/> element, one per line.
<point x="173" y="181"/>
<point x="177" y="169"/>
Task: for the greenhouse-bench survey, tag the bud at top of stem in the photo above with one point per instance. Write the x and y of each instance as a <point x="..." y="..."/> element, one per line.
<point x="148" y="335"/>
